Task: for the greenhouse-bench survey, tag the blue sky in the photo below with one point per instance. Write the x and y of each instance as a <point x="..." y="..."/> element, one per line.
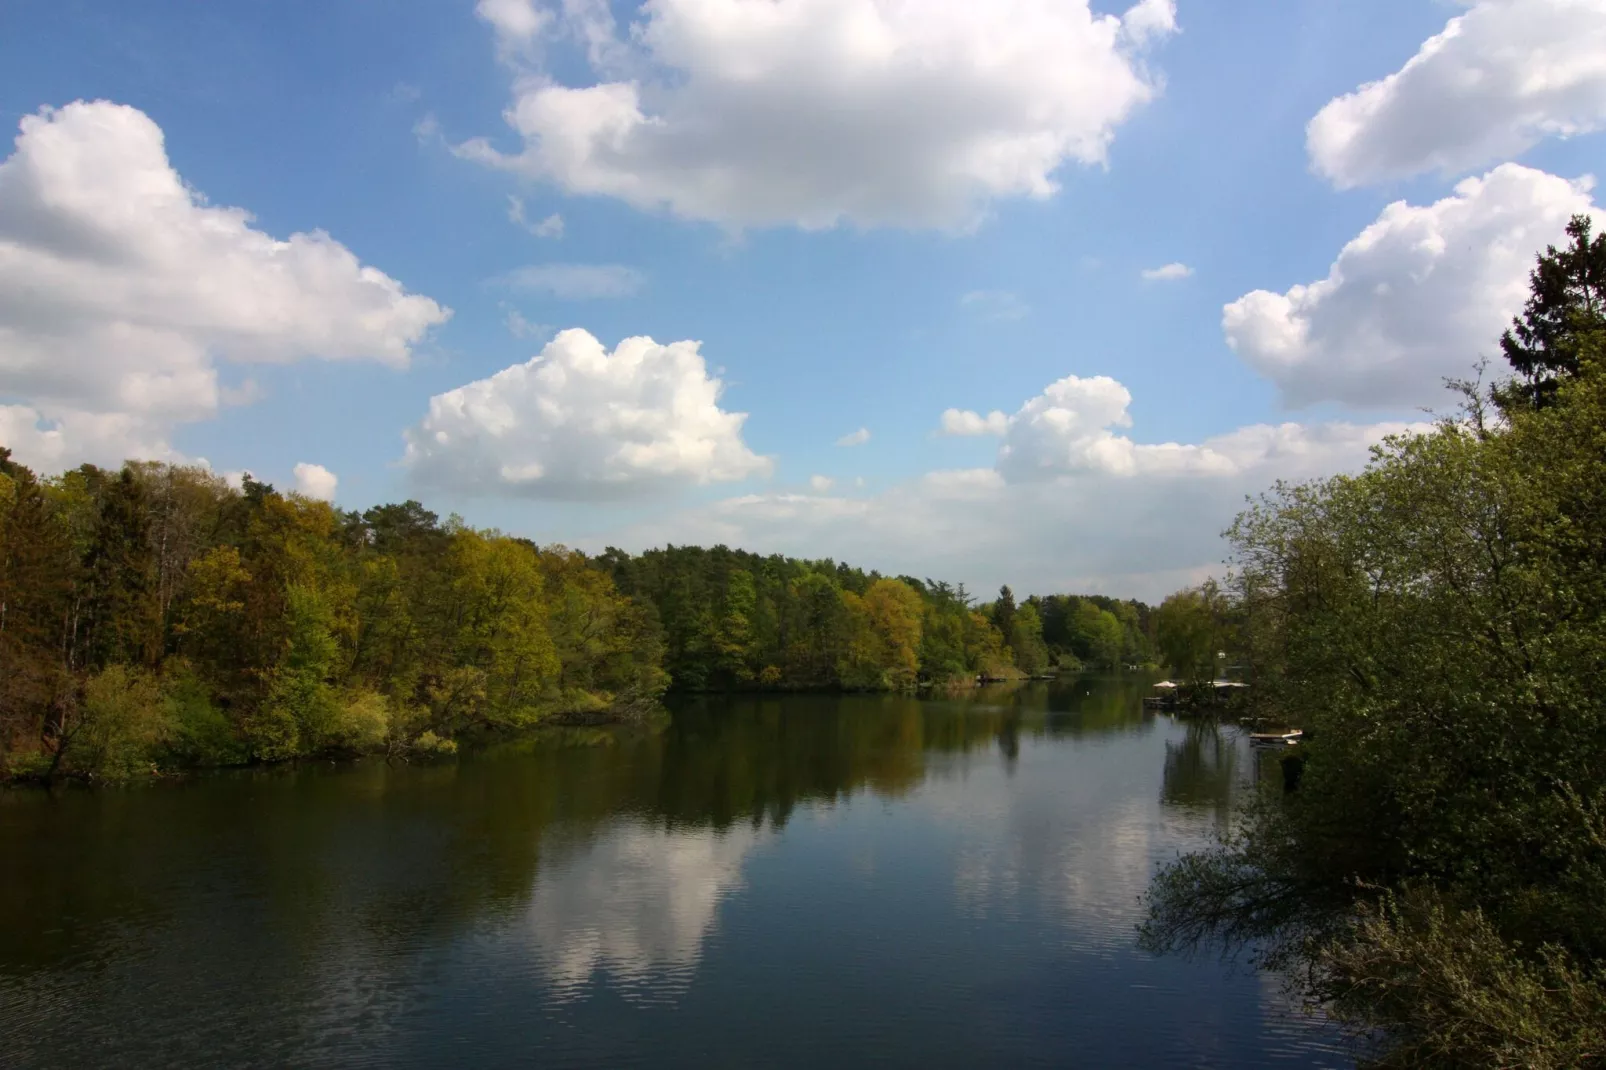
<point x="917" y="295"/>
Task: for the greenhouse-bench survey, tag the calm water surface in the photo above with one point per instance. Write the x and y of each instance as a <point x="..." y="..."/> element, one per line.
<point x="802" y="881"/>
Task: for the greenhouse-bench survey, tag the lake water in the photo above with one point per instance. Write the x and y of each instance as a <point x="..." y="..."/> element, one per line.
<point x="799" y="881"/>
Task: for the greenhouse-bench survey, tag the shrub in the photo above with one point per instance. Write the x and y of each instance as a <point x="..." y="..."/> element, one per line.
<point x="201" y="733"/>
<point x="360" y="723"/>
<point x="124" y="723"/>
<point x="1451" y="992"/>
<point x="428" y="744"/>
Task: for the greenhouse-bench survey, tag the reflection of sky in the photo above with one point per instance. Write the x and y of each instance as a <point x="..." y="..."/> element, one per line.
<point x="982" y="915"/>
<point x="991" y="908"/>
<point x="1069" y="835"/>
<point x="635" y="904"/>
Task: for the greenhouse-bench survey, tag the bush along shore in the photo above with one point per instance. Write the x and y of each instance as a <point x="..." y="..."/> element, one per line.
<point x="1433" y="870"/>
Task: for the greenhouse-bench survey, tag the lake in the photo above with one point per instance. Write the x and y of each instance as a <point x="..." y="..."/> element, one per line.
<point x="808" y="881"/>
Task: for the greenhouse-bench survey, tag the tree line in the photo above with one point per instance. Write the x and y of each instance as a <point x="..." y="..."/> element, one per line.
<point x="155" y="617"/>
<point x="1437" y="625"/>
<point x="733" y="619"/>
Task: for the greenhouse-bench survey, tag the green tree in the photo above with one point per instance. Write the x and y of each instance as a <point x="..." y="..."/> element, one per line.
<point x="122" y="614"/>
<point x="36" y="706"/>
<point x="733" y="635"/>
<point x="1003" y="612"/>
<point x="1026" y="640"/>
<point x="1099" y="635"/>
<point x="503" y="630"/>
<point x="1438" y="625"/>
<point x="1190" y="630"/>
<point x="1565" y="313"/>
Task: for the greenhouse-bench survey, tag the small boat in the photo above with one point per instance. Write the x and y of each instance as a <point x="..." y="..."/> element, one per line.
<point x="1276" y="739"/>
<point x="1165" y="700"/>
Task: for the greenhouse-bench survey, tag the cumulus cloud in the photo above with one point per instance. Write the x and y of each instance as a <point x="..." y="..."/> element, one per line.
<point x="517" y="22"/>
<point x="1066" y="431"/>
<point x="1088" y="509"/>
<point x="855" y="438"/>
<point x="316" y="481"/>
<point x="120" y="288"/>
<point x="1419" y="295"/>
<point x="821" y="484"/>
<point x="1167" y="273"/>
<point x="1498" y="79"/>
<point x="962" y="422"/>
<point x="550" y="227"/>
<point x="578" y="422"/>
<point x="795" y="112"/>
<point x="575" y="282"/>
<point x="1139" y="531"/>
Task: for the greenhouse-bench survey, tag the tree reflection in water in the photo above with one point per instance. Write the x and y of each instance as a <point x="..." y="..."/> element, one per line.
<point x="1205" y="771"/>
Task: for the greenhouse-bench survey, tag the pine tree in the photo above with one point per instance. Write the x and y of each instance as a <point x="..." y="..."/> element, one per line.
<point x="1566" y="308"/>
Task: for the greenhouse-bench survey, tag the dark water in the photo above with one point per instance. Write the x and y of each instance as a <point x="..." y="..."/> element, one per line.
<point x="802" y="881"/>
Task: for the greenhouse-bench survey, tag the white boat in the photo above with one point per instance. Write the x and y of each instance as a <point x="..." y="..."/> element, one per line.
<point x="1276" y="739"/>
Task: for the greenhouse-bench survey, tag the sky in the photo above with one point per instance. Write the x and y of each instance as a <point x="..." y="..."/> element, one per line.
<point x="1033" y="292"/>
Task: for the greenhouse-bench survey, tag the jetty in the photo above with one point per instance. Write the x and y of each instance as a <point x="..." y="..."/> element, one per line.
<point x="1170" y="694"/>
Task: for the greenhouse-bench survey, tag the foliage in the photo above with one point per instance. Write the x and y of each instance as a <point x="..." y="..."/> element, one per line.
<point x="1026" y="640"/>
<point x="123" y="721"/>
<point x="155" y="618"/>
<point x="732" y="619"/>
<point x="1096" y="630"/>
<point x="1452" y="992"/>
<point x="1191" y="628"/>
<point x="1565" y="314"/>
<point x="250" y="625"/>
<point x="1437" y="624"/>
<point x="200" y="732"/>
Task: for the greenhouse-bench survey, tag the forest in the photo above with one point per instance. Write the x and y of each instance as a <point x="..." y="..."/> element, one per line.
<point x="1437" y="625"/>
<point x="733" y="619"/>
<point x="156" y="618"/>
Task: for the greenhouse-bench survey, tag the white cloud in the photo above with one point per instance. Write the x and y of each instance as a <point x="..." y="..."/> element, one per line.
<point x="855" y="438"/>
<point x="636" y="900"/>
<point x="1167" y="273"/>
<point x="1066" y="431"/>
<point x="576" y="282"/>
<point x="1498" y="79"/>
<point x="520" y="327"/>
<point x="1087" y="509"/>
<point x="995" y="305"/>
<point x="517" y="22"/>
<point x="316" y="481"/>
<point x="965" y="423"/>
<point x="1149" y="20"/>
<point x="550" y="227"/>
<point x="578" y="422"/>
<point x="874" y="112"/>
<point x="1419" y="295"/>
<point x="120" y="288"/>
<point x="821" y="484"/>
<point x="1141" y="531"/>
<point x="427" y="130"/>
